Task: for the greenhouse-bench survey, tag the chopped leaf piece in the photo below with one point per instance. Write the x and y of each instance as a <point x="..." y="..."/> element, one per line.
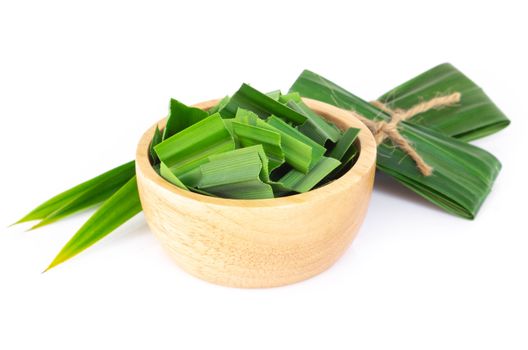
<point x="219" y="106"/>
<point x="275" y="95"/>
<point x="264" y="174"/>
<point x="181" y="117"/>
<point x="316" y="126"/>
<point x="168" y="175"/>
<point x="156" y="139"/>
<point x="309" y="129"/>
<point x="279" y="189"/>
<point x="250" y="135"/>
<point x="253" y="189"/>
<point x="236" y="174"/>
<point x="247" y="117"/>
<point x="284" y="128"/>
<point x="236" y="167"/>
<point x="249" y="98"/>
<point x="190" y="147"/>
<point x="345" y="151"/>
<point x="228" y="123"/>
<point x="300" y="182"/>
<point x="345" y="145"/>
<point x="197" y="190"/>
<point x="292" y="96"/>
<point x="297" y="153"/>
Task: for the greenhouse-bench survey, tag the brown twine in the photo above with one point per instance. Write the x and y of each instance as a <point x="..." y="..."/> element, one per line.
<point x="382" y="130"/>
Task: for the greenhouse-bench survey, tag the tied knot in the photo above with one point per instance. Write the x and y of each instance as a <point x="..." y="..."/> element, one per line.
<point x="389" y="130"/>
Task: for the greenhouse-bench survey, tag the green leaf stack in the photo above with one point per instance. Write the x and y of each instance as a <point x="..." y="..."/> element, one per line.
<point x="474" y="117"/>
<point x="251" y="146"/>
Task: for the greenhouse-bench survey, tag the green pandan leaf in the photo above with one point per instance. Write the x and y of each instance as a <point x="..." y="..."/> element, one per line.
<point x="315" y="127"/>
<point x="291" y="96"/>
<point x="297" y="148"/>
<point x="196" y="152"/>
<point x="286" y="131"/>
<point x="463" y="174"/>
<point x="181" y="117"/>
<point x="82" y="196"/>
<point x="345" y="151"/>
<point x="168" y="175"/>
<point x="250" y="135"/>
<point x="115" y="211"/>
<point x="248" y="117"/>
<point x="259" y="149"/>
<point x="275" y="94"/>
<point x="264" y="106"/>
<point x="299" y="182"/>
<point x="156" y="139"/>
<point x="474" y="117"/>
<point x="236" y="174"/>
<point x="219" y="106"/>
<point x="344" y="148"/>
<point x="190" y="147"/>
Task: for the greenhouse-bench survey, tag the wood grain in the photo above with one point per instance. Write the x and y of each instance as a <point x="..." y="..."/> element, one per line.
<point x="259" y="243"/>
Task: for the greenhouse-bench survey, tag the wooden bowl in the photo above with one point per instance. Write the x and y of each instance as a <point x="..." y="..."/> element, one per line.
<point x="265" y="242"/>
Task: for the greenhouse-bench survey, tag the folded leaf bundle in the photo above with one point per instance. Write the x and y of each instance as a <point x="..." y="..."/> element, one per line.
<point x="475" y="116"/>
<point x="463" y="174"/>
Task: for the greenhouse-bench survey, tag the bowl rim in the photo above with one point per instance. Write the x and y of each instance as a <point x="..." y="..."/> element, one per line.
<point x="362" y="167"/>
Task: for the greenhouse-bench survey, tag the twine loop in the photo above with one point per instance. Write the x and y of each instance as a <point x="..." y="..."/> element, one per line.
<point x="389" y="130"/>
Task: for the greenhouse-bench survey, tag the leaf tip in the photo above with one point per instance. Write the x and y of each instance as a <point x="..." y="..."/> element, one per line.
<point x="37" y="225"/>
<point x="58" y="260"/>
<point x="33" y="227"/>
<point x="20" y="221"/>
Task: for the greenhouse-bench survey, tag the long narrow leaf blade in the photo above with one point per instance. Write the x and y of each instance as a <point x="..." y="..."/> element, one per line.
<point x="114" y="212"/>
<point x="89" y="191"/>
<point x="83" y="201"/>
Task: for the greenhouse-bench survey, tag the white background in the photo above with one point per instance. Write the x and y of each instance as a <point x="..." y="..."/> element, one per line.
<point x="80" y="82"/>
